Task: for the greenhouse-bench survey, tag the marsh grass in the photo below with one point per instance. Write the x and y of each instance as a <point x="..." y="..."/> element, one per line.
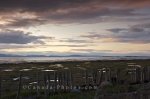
<point x="9" y="86"/>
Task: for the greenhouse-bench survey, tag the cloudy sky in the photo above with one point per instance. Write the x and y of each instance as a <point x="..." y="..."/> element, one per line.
<point x="93" y="27"/>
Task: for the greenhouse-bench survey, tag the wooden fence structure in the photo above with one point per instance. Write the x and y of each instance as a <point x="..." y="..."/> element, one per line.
<point x="49" y="82"/>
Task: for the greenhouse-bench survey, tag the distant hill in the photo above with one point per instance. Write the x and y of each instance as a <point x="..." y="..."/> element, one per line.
<point x="13" y="55"/>
<point x="9" y="55"/>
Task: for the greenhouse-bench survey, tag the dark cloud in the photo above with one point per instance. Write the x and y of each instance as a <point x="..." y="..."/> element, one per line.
<point x="69" y="11"/>
<point x="73" y="15"/>
<point x="87" y="13"/>
<point x="69" y="40"/>
<point x="143" y="25"/>
<point x="66" y="45"/>
<point x="135" y="34"/>
<point x="73" y="45"/>
<point x="25" y="22"/>
<point x="94" y="35"/>
<point x="19" y="37"/>
<point x="40" y="5"/>
<point x="91" y="50"/>
<point x="15" y="46"/>
<point x="117" y="30"/>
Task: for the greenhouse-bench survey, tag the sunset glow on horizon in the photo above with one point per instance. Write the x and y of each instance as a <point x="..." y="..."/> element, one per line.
<point x="63" y="27"/>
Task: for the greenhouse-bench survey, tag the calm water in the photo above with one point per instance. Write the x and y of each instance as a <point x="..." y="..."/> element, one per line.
<point x="50" y="59"/>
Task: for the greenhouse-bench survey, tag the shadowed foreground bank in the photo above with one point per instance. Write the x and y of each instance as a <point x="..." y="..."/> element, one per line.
<point x="76" y="80"/>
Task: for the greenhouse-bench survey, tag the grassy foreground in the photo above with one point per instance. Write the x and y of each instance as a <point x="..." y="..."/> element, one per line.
<point x="10" y="72"/>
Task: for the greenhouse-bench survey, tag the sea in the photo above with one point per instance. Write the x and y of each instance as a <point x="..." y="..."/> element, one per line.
<point x="55" y="59"/>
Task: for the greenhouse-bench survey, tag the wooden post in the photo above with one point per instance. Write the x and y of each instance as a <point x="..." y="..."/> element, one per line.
<point x="45" y="84"/>
<point x="97" y="78"/>
<point x="55" y="81"/>
<point x="106" y="75"/>
<point x="67" y="79"/>
<point x="93" y="77"/>
<point x="70" y="78"/>
<point x="101" y="77"/>
<point x="137" y="76"/>
<point x="109" y="74"/>
<point x="86" y="77"/>
<point x="64" y="79"/>
<point x="0" y="86"/>
<point x="117" y="76"/>
<point x="97" y="91"/>
<point x="61" y="80"/>
<point x="37" y="90"/>
<point x="148" y="73"/>
<point x="49" y="78"/>
<point x="142" y="75"/>
<point x="19" y="86"/>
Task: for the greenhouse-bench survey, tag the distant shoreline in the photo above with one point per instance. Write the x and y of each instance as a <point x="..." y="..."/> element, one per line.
<point x="65" y="61"/>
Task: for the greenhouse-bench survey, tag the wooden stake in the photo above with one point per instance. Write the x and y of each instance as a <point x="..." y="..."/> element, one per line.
<point x="37" y="90"/>
<point x="45" y="84"/>
<point x="0" y="86"/>
<point x="19" y="86"/>
<point x="49" y="83"/>
<point x="55" y="81"/>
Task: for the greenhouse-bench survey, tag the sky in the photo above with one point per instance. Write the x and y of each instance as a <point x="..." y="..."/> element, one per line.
<point x="81" y="27"/>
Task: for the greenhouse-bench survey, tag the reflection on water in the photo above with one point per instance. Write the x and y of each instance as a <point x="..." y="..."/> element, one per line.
<point x="51" y="59"/>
